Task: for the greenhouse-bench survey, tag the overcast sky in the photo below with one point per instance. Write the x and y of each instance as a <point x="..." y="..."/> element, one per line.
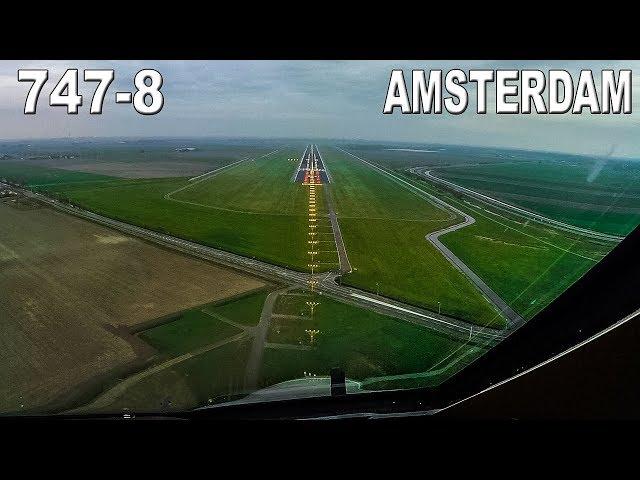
<point x="307" y="99"/>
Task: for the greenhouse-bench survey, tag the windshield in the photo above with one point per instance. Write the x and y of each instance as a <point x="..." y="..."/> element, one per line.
<point x="253" y="235"/>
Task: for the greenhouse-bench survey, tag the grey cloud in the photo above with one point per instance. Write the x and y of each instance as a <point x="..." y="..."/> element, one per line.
<point x="336" y="99"/>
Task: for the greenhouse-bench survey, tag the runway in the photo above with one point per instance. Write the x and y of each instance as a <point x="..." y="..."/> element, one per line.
<point x="311" y="161"/>
<point x="326" y="281"/>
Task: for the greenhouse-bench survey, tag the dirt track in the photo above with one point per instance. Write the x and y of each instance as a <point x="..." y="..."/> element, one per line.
<point x="69" y="292"/>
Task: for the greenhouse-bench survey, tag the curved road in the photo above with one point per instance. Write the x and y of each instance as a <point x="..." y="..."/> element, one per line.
<point x="424" y="172"/>
<point x="326" y="281"/>
<point x="434" y="238"/>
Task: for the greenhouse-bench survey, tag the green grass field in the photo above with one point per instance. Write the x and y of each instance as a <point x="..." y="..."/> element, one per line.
<point x="526" y="263"/>
<point x="384" y="228"/>
<point x="244" y="311"/>
<point x="192" y="330"/>
<point x="252" y="209"/>
<point x="255" y="210"/>
<point x="34" y="175"/>
<point x="572" y="192"/>
<point x="365" y="344"/>
<point x="373" y="349"/>
<point x="214" y="376"/>
<point x="259" y="186"/>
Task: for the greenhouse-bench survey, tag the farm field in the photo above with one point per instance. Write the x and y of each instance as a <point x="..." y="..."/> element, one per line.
<point x="143" y="328"/>
<point x="251" y="208"/>
<point x="135" y="158"/>
<point x="201" y="355"/>
<point x="591" y="193"/>
<point x="111" y="284"/>
<point x="384" y="228"/>
<point x="38" y="176"/>
<point x="255" y="210"/>
<point x="404" y="156"/>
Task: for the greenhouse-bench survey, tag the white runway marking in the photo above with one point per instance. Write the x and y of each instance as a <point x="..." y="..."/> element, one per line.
<point x="217" y="170"/>
<point x="205" y="176"/>
<point x="411" y="150"/>
<point x="390" y="305"/>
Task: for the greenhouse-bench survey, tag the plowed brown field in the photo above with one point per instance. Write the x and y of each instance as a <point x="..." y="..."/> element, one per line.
<point x="72" y="291"/>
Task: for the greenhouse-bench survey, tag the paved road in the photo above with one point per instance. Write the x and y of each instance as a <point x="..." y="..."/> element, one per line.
<point x="513" y="317"/>
<point x="259" y="333"/>
<point x="345" y="265"/>
<point x="327" y="284"/>
<point x="426" y="173"/>
<point x="434" y="237"/>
